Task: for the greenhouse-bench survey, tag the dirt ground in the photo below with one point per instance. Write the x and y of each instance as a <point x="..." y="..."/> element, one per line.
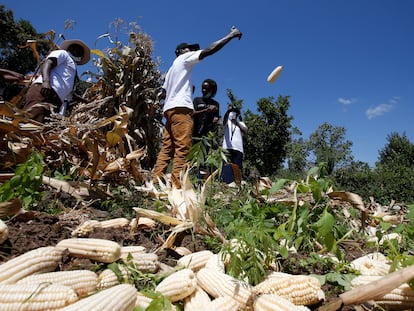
<point x="35" y="229"/>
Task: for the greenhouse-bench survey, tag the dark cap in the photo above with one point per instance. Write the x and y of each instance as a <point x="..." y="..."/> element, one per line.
<point x="192" y="47"/>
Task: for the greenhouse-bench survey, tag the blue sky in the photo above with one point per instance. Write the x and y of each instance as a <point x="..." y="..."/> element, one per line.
<point x="346" y="62"/>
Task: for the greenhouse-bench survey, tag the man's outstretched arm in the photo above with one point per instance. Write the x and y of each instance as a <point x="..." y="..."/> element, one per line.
<point x="219" y="44"/>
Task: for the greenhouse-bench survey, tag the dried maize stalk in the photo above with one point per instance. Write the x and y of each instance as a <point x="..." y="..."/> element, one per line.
<point x="218" y="284"/>
<point x="95" y="249"/>
<point x="118" y="298"/>
<point x="35" y="297"/>
<point x="42" y="259"/>
<point x="299" y="289"/>
<point x="178" y="285"/>
<point x="400" y="298"/>
<point x="195" y="261"/>
<point x="84" y="282"/>
<point x="273" y="302"/>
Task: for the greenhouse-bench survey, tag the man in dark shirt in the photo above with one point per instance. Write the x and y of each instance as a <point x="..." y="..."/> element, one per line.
<point x="206" y="116"/>
<point x="206" y="110"/>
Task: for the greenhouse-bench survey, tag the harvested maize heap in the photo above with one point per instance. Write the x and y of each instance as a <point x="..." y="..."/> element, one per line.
<point x="268" y="302"/>
<point x="218" y="284"/>
<point x="401" y="298"/>
<point x="84" y="282"/>
<point x="118" y="298"/>
<point x="35" y="297"/>
<point x="195" y="261"/>
<point x="39" y="260"/>
<point x="178" y="285"/>
<point x="4" y="232"/>
<point x="94" y="249"/>
<point x="108" y="278"/>
<point x="298" y="289"/>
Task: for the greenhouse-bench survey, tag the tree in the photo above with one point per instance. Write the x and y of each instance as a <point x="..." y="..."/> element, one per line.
<point x="328" y="145"/>
<point x="15" y="55"/>
<point x="297" y="153"/>
<point x="394" y="171"/>
<point x="268" y="136"/>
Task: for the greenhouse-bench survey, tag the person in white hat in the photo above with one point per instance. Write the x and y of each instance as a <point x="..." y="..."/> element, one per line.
<point x="177" y="91"/>
<point x="57" y="80"/>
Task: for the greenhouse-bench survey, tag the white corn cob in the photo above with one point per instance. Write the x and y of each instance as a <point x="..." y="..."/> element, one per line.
<point x="371" y="264"/>
<point x="195" y="261"/>
<point x="84" y="282"/>
<point x="198" y="300"/>
<point x="95" y="249"/>
<point x="145" y="262"/>
<point x="35" y="297"/>
<point x="178" y="285"/>
<point x="39" y="260"/>
<point x="299" y="289"/>
<point x="389" y="237"/>
<point x="223" y="303"/>
<point x="118" y="298"/>
<point x="218" y="284"/>
<point x="273" y="302"/>
<point x="115" y="223"/>
<point x="108" y="278"/>
<point x="142" y="301"/>
<point x="85" y="228"/>
<point x="182" y="250"/>
<point x="4" y="232"/>
<point x="400" y="298"/>
<point x="131" y="251"/>
<point x="216" y="262"/>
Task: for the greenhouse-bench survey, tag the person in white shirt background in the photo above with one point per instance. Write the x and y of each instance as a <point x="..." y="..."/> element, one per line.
<point x="234" y="129"/>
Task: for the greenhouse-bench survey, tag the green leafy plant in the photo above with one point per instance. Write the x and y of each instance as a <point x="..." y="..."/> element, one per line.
<point x="26" y="182"/>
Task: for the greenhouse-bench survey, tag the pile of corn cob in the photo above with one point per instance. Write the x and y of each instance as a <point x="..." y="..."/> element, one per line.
<point x="33" y="281"/>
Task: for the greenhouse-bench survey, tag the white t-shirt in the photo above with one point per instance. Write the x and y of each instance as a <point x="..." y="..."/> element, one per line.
<point x="62" y="77"/>
<point x="233" y="137"/>
<point x="179" y="81"/>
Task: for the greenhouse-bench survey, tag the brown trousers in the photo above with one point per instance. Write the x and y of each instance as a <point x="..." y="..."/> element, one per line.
<point x="177" y="142"/>
<point x="37" y="105"/>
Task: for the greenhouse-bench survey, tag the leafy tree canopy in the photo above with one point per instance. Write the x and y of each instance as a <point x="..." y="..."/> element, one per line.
<point x="268" y="136"/>
<point x="15" y="52"/>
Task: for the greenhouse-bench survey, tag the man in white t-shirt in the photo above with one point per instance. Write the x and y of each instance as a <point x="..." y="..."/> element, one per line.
<point x="178" y="105"/>
<point x="57" y="79"/>
<point x="234" y="129"/>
